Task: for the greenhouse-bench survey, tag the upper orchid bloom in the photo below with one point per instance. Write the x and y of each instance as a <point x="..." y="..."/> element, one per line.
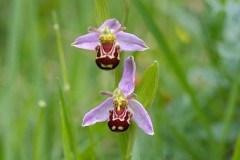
<point x="109" y="40"/>
<point x="121" y="108"/>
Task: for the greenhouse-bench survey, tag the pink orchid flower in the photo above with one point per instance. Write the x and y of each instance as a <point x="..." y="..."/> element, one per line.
<point x="109" y="40"/>
<point x="120" y="109"/>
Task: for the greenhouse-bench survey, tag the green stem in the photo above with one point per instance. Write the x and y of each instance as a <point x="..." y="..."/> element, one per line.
<point x="102" y="15"/>
<point x="60" y="52"/>
<point x="130" y="142"/>
<point x="118" y="70"/>
<point x="126" y="139"/>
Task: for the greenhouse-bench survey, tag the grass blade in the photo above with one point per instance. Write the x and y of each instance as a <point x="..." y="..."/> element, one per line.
<point x="70" y="149"/>
<point x="64" y="126"/>
<point x="38" y="131"/>
<point x="61" y="52"/>
<point x="102" y="11"/>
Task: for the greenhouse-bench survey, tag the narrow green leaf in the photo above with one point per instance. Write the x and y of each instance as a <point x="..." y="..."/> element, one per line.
<point x="148" y="86"/>
<point x="69" y="138"/>
<point x="38" y="132"/>
<point x="102" y="11"/>
<point x="60" y="52"/>
<point x="65" y="134"/>
<point x="64" y="126"/>
<point x="236" y="154"/>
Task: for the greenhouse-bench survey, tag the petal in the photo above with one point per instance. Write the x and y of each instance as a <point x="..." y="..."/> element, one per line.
<point x="126" y="84"/>
<point x="88" y="41"/>
<point x="130" y="42"/>
<point x="98" y="114"/>
<point x="112" y="24"/>
<point x="141" y="117"/>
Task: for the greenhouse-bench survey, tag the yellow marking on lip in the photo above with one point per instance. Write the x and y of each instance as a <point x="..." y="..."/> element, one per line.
<point x="120" y="128"/>
<point x="113" y="127"/>
<point x="107" y="66"/>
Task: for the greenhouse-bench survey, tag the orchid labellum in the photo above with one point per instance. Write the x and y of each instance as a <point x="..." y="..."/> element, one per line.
<point x="108" y="41"/>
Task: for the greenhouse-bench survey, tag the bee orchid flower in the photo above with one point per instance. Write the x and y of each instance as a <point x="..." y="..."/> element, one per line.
<point x="109" y="40"/>
<point x="121" y="107"/>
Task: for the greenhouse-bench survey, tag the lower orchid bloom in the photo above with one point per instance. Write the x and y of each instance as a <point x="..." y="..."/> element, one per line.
<point x="109" y="40"/>
<point x="120" y="109"/>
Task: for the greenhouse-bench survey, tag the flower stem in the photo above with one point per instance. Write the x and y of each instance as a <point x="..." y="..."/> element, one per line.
<point x="126" y="139"/>
<point x="60" y="52"/>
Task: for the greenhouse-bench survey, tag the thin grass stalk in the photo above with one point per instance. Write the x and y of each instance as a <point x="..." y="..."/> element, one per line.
<point x="60" y="52"/>
<point x="38" y="132"/>
<point x="65" y="127"/>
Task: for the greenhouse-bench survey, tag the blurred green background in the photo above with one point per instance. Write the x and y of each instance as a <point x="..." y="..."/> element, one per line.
<point x="195" y="114"/>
